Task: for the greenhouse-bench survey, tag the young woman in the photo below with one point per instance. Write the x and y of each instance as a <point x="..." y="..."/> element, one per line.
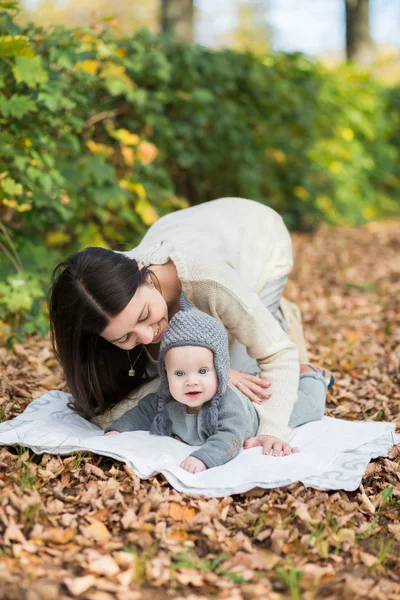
<point x="109" y="311"/>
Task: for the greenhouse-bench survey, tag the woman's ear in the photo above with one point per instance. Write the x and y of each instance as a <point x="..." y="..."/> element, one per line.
<point x="140" y="265"/>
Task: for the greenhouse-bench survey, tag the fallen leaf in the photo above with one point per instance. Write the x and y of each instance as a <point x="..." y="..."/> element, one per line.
<point x="79" y="585"/>
<point x="366" y="502"/>
<point x="181" y="513"/>
<point x="105" y="565"/>
<point x="395" y="529"/>
<point x="96" y="531"/>
<point x="368" y="559"/>
<point x="178" y="536"/>
<point x="355" y="587"/>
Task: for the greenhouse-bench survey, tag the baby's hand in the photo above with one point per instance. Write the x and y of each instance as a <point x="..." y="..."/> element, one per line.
<point x="270" y="442"/>
<point x="193" y="465"/>
<point x="111" y="432"/>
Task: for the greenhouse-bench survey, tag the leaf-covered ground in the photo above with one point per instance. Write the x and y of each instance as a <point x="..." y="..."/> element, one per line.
<point x="85" y="526"/>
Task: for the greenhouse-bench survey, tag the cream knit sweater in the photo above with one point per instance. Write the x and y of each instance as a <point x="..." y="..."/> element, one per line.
<point x="225" y="252"/>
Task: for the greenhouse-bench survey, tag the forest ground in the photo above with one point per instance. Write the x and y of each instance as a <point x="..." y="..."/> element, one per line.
<point x="85" y="526"/>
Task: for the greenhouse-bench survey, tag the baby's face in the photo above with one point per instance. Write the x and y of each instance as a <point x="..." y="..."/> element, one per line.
<point x="192" y="377"/>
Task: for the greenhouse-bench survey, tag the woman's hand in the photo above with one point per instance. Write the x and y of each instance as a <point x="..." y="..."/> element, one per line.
<point x="255" y="388"/>
<point x="193" y="465"/>
<point x="112" y="432"/>
<point x="270" y="442"/>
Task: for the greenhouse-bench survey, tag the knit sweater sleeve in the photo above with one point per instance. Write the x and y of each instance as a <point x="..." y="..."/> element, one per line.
<point x="138" y="418"/>
<point x="236" y="423"/>
<point x="250" y="322"/>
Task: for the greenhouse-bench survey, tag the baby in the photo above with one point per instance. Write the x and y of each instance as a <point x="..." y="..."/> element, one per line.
<point x="194" y="401"/>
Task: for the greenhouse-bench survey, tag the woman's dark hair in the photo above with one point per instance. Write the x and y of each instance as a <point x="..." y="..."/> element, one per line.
<point x="88" y="289"/>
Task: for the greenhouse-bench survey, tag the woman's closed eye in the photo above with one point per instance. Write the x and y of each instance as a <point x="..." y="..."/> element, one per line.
<point x="126" y="338"/>
<point x="129" y="335"/>
<point x="145" y="317"/>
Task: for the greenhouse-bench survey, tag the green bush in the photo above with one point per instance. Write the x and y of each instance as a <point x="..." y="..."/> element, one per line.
<point x="101" y="135"/>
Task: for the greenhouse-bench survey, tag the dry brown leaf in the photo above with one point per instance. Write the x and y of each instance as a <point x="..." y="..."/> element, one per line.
<point x="56" y="535"/>
<point x="13" y="534"/>
<point x="368" y="559"/>
<point x="355" y="587"/>
<point x="366" y="502"/>
<point x="105" y="565"/>
<point x="94" y="470"/>
<point x="79" y="585"/>
<point x="181" y="513"/>
<point x="96" y="531"/>
<point x="278" y="538"/>
<point x="189" y="576"/>
<point x="395" y="529"/>
<point x="99" y="595"/>
<point x="314" y="572"/>
<point x="178" y="536"/>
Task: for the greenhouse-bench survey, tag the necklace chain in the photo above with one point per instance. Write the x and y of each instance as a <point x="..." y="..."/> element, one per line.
<point x="132" y="371"/>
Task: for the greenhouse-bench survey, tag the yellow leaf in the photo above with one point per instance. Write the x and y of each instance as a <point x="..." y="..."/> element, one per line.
<point x="9" y="203"/>
<point x="177" y="202"/>
<point x="97" y="531"/>
<point x="146" y="211"/>
<point x="64" y="198"/>
<point x="301" y="193"/>
<point x="348" y="134"/>
<point x="324" y="203"/>
<point x="181" y="513"/>
<point x="88" y="66"/>
<point x="57" y="238"/>
<point x="277" y="155"/>
<point x="128" y="155"/>
<point x="369" y="213"/>
<point x="136" y="188"/>
<point x="125" y="137"/>
<point x="116" y="79"/>
<point x="121" y="52"/>
<point x="24" y="207"/>
<point x="146" y="152"/>
<point x="5" y="332"/>
<point x="96" y="148"/>
<point x="335" y="166"/>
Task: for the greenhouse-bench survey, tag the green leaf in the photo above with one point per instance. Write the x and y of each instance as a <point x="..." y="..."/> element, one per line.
<point x="17" y="106"/>
<point x="116" y="79"/>
<point x="15" y="45"/>
<point x="29" y="71"/>
<point x="387" y="493"/>
<point x="11" y="187"/>
<point x="13" y="5"/>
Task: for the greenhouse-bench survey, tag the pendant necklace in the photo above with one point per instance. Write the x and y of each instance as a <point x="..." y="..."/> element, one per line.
<point x="132" y="371"/>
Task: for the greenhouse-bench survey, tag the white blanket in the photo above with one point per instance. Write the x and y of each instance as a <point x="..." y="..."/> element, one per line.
<point x="334" y="453"/>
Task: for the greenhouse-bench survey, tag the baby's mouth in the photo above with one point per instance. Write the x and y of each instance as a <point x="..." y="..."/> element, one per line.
<point x="192" y="394"/>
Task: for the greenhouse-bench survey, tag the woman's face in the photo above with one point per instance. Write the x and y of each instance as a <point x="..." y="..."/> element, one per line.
<point x="143" y="321"/>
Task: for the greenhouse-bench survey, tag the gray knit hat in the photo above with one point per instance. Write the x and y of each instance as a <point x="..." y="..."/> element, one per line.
<point x="192" y="327"/>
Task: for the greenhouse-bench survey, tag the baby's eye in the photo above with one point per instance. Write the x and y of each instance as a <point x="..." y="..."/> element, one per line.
<point x="180" y="373"/>
<point x="202" y="371"/>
